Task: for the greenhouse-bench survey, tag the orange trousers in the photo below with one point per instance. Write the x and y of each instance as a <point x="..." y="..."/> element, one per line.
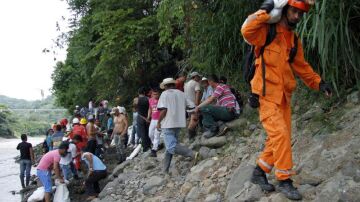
<point x="276" y="120"/>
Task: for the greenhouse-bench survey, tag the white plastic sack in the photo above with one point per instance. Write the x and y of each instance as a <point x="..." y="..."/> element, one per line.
<point x="61" y="193"/>
<point x="134" y="153"/>
<point x="37" y="195"/>
<point x="112" y="144"/>
<point x="275" y="15"/>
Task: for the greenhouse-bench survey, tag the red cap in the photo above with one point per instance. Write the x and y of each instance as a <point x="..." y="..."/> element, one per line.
<point x="299" y="4"/>
<point x="63" y="122"/>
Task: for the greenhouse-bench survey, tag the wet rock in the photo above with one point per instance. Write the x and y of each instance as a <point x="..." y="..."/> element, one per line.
<point x="153" y="183"/>
<point x="214" y="142"/>
<point x="241" y="175"/>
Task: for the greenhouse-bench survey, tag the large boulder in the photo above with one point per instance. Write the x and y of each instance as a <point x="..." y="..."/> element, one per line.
<point x="250" y="192"/>
<point x="241" y="175"/>
<point x="214" y="142"/>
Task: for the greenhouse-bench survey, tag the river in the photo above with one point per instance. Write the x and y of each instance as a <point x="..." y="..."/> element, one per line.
<point x="9" y="170"/>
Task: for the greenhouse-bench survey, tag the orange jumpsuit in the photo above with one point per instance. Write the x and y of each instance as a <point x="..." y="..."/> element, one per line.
<point x="275" y="110"/>
<point x="79" y="130"/>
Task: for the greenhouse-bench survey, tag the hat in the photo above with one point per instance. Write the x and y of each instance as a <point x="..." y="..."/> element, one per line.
<point x="113" y="110"/>
<point x="204" y="79"/>
<point x="193" y="74"/>
<point x="300" y="5"/>
<point x="83" y="121"/>
<point x="64" y="145"/>
<point x="166" y="82"/>
<point x="90" y="117"/>
<point x="75" y="121"/>
<point x="122" y="110"/>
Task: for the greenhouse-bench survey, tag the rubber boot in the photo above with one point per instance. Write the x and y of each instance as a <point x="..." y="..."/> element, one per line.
<point x="22" y="182"/>
<point x="27" y="181"/>
<point x="167" y="162"/>
<point x="153" y="153"/>
<point x="286" y="187"/>
<point x="259" y="177"/>
<point x="183" y="151"/>
<point x="191" y="134"/>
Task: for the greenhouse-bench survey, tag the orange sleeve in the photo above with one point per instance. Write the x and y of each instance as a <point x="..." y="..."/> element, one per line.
<point x="255" y="28"/>
<point x="302" y="68"/>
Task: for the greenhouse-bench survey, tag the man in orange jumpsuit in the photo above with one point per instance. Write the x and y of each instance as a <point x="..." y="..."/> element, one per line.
<point x="78" y="130"/>
<point x="274" y="100"/>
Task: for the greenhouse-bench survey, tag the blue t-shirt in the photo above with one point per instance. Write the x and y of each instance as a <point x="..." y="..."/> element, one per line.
<point x="57" y="138"/>
<point x="207" y="93"/>
<point x="97" y="163"/>
<point x="110" y="123"/>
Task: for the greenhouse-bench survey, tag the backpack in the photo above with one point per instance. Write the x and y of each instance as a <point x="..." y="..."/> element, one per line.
<point x="249" y="66"/>
<point x="238" y="97"/>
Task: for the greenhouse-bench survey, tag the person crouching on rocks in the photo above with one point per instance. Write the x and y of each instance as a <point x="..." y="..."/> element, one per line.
<point x="48" y="161"/>
<point x="172" y="105"/>
<point x="96" y="172"/>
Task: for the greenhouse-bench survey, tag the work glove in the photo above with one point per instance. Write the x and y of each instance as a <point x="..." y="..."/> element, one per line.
<point x="267" y="5"/>
<point x="325" y="87"/>
<point x="254" y="100"/>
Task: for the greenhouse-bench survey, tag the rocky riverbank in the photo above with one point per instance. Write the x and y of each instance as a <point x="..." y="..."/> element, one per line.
<point x="325" y="152"/>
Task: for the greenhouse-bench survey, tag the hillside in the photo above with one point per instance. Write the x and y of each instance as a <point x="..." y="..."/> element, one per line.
<point x="32" y="117"/>
<point x="325" y="151"/>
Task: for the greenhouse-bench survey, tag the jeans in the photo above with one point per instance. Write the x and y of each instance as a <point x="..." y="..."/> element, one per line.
<point x="66" y="170"/>
<point x="120" y="147"/>
<point x="211" y="114"/>
<point x="25" y="167"/>
<point x="134" y="138"/>
<point x="92" y="182"/>
<point x="154" y="134"/>
<point x="170" y="138"/>
<point x="142" y="130"/>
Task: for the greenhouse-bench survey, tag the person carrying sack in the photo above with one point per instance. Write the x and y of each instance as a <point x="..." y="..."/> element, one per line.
<point x="272" y="87"/>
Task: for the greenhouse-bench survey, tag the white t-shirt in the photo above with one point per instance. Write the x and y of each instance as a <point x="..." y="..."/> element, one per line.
<point x="71" y="154"/>
<point x="175" y="102"/>
<point x="190" y="89"/>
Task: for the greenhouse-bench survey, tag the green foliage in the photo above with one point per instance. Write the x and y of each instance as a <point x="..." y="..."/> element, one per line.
<point x="119" y="45"/>
<point x="331" y="32"/>
<point x="112" y="52"/>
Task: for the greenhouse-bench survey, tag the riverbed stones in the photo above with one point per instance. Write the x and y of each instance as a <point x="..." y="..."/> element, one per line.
<point x="152" y="183"/>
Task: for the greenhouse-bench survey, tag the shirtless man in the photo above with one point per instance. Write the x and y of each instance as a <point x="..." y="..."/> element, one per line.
<point x="119" y="132"/>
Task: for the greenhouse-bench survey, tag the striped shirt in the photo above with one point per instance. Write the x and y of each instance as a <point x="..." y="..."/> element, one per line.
<point x="224" y="96"/>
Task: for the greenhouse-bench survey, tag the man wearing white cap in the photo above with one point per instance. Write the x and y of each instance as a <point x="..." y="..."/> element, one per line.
<point x="208" y="90"/>
<point x="172" y="105"/>
<point x="119" y="132"/>
<point x="192" y="92"/>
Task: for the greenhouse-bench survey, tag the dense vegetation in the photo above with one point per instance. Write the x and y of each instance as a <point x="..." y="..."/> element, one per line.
<point x="31" y="117"/>
<point x="116" y="46"/>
